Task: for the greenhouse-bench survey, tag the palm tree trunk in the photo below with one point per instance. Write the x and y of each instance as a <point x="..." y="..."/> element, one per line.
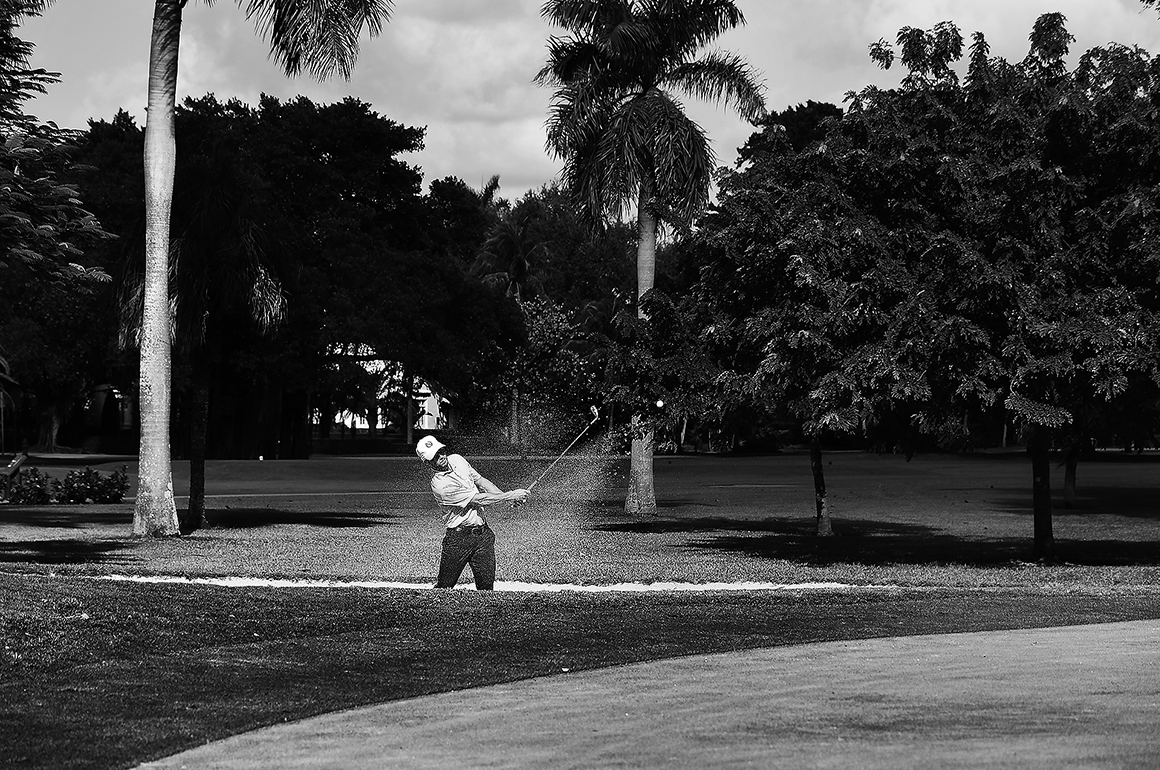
<point x="155" y="514"/>
<point x="642" y="499"/>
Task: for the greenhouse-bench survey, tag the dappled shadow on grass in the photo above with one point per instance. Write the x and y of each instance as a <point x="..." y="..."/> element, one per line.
<point x="878" y="542"/>
<point x="62" y="552"/>
<point x="250" y="518"/>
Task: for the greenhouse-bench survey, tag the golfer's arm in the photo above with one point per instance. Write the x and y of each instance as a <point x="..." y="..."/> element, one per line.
<point x="487" y="486"/>
<point x="489" y="498"/>
<point x="491" y="493"/>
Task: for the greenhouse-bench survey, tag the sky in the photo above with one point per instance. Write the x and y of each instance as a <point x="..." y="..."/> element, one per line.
<point x="464" y="68"/>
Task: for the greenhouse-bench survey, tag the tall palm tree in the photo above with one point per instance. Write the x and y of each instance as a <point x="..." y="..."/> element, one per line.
<point x="219" y="276"/>
<point x="625" y="139"/>
<point x="321" y="37"/>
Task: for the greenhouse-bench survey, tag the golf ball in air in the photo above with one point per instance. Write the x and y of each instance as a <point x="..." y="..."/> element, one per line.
<point x="660" y="403"/>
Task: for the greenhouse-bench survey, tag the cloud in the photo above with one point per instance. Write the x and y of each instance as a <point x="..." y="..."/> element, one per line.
<point x="461" y="73"/>
<point x="463" y="68"/>
<point x="457" y="12"/>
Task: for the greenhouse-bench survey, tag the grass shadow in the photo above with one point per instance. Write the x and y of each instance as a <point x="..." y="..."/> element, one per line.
<point x="1136" y="503"/>
<point x="62" y="552"/>
<point x="876" y="543"/>
<point x="64" y="517"/>
<point x="252" y="518"/>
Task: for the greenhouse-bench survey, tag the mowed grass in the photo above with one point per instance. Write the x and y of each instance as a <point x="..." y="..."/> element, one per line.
<point x="105" y="674"/>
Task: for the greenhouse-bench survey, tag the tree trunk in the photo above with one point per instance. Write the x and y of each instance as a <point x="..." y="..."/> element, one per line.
<point x="199" y="422"/>
<point x="642" y="499"/>
<point x="325" y="416"/>
<point x="155" y="514"/>
<point x="295" y="433"/>
<point x="409" y="411"/>
<point x="641" y="489"/>
<point x="49" y="428"/>
<point x="1044" y="542"/>
<point x="1070" y="463"/>
<point x="821" y="501"/>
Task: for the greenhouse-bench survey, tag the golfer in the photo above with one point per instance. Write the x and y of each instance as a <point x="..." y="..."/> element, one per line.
<point x="462" y="494"/>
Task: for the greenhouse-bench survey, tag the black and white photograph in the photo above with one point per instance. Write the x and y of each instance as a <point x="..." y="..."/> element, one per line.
<point x="587" y="384"/>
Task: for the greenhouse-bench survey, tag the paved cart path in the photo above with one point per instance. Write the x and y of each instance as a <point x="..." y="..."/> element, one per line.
<point x="1082" y="696"/>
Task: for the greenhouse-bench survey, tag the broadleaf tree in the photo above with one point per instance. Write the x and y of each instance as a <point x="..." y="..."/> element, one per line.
<point x="42" y="222"/>
<point x="48" y="283"/>
<point x="950" y="247"/>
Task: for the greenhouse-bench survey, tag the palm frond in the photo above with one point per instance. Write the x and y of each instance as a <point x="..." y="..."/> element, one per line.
<point x="320" y="36"/>
<point x="267" y="302"/>
<point x="612" y="118"/>
<point x="690" y="24"/>
<point x="576" y="116"/>
<point x="653" y="139"/>
<point x="5" y="373"/>
<point x="570" y="60"/>
<point x="721" y="77"/>
<point x="489" y="191"/>
<point x="632" y="40"/>
<point x="587" y="183"/>
<point x="578" y="16"/>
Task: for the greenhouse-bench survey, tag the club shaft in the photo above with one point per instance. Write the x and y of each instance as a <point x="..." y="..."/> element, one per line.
<point x="561" y="457"/>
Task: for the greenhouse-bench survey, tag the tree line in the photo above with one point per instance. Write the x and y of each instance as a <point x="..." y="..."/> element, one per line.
<point x="929" y="266"/>
<point x="950" y="256"/>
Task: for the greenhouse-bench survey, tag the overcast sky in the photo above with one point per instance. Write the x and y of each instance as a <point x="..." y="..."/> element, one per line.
<point x="464" y="68"/>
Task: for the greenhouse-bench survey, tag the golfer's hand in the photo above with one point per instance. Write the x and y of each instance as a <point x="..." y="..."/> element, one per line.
<point x="518" y="496"/>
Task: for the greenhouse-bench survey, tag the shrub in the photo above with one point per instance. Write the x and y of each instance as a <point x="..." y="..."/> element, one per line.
<point x="29" y="487"/>
<point x="89" y="486"/>
<point x="32" y="487"/>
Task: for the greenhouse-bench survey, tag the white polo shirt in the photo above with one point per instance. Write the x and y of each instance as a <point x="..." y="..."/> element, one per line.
<point x="454" y="489"/>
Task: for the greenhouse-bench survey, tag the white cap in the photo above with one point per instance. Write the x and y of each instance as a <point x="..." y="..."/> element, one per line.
<point x="427" y="447"/>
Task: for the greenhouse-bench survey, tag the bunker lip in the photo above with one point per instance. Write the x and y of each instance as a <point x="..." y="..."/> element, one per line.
<point x="241" y="581"/>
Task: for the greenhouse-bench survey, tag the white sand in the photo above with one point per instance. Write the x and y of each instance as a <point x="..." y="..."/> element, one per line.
<point x="253" y="582"/>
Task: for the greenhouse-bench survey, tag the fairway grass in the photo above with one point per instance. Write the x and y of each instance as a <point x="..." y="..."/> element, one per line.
<point x="101" y="673"/>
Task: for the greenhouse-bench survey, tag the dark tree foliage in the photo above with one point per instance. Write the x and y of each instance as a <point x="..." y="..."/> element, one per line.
<point x="459" y="218"/>
<point x="43" y="226"/>
<point x="949" y="247"/>
<point x="568" y="279"/>
<point x="373" y="261"/>
<point x="575" y="265"/>
<point x="802" y="126"/>
<point x="308" y="208"/>
<point x="49" y="285"/>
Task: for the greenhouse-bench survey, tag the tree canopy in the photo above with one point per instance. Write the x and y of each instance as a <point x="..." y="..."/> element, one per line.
<point x="950" y="246"/>
<point x="43" y="225"/>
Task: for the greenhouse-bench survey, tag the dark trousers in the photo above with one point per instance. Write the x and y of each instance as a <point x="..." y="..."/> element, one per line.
<point x="463" y="546"/>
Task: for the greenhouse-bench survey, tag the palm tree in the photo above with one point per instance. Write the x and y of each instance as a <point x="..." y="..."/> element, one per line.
<point x="506" y="258"/>
<point x="624" y="137"/>
<point x="220" y="278"/>
<point x="320" y="36"/>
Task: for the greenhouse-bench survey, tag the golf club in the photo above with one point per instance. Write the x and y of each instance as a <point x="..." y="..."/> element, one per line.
<point x="595" y="417"/>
